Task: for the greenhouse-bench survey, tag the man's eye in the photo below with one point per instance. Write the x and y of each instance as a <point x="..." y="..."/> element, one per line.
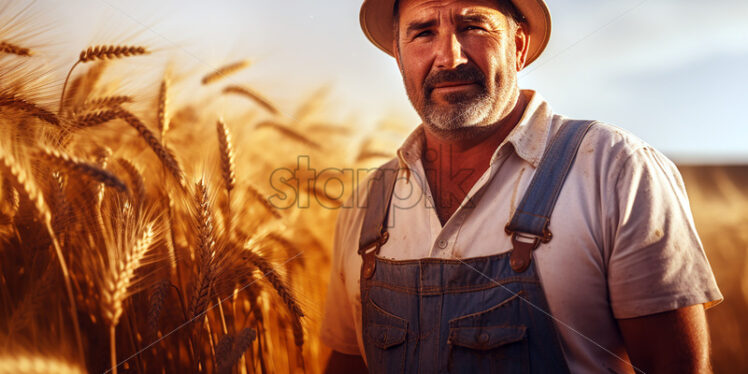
<point x="423" y="33"/>
<point x="470" y="28"/>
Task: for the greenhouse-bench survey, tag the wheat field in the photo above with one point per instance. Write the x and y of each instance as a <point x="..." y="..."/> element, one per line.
<point x="137" y="233"/>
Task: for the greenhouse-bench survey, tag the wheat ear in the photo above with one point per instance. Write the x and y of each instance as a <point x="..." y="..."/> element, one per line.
<point x="162" y="114"/>
<point x="225" y="71"/>
<point x="226" y="150"/>
<point x="223" y="351"/>
<point x="18" y="103"/>
<point x="96" y="118"/>
<point x="205" y="251"/>
<point x="289" y="133"/>
<point x="14" y="49"/>
<point x="240" y="344"/>
<point x="257" y="195"/>
<point x="119" y="282"/>
<point x="122" y="278"/>
<point x="108" y="101"/>
<point x="228" y="168"/>
<point x="272" y="276"/>
<point x="135" y="178"/>
<point x="101" y="52"/>
<point x="83" y="168"/>
<point x="252" y="95"/>
<point x="10" y="167"/>
<point x="156" y="303"/>
<point x="162" y="152"/>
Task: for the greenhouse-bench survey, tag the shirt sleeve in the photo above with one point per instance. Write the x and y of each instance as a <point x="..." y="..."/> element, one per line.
<point x="657" y="262"/>
<point x="338" y="329"/>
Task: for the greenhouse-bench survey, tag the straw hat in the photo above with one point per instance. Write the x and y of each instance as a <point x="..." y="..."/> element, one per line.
<point x="377" y="17"/>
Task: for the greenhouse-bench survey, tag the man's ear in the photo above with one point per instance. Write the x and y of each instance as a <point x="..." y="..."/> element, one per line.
<point x="522" y="42"/>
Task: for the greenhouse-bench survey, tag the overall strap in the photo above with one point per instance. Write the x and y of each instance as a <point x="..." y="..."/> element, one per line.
<point x="529" y="225"/>
<point x="373" y="232"/>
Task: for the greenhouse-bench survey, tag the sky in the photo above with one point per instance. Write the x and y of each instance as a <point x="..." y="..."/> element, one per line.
<point x="673" y="72"/>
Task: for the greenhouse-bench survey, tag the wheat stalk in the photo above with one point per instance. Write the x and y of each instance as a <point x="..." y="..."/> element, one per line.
<point x="85" y="83"/>
<point x="101" y="52"/>
<point x="10" y="48"/>
<point x="164" y="154"/>
<point x="83" y="168"/>
<point x="224" y="71"/>
<point x="289" y="133"/>
<point x="252" y="95"/>
<point x="12" y="101"/>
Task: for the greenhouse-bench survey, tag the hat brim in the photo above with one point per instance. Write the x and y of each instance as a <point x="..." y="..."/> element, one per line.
<point x="376" y="19"/>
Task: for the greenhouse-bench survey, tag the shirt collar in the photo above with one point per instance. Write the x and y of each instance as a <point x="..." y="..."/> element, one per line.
<point x="528" y="138"/>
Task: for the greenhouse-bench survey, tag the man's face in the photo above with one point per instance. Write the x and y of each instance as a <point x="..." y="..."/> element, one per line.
<point x="459" y="60"/>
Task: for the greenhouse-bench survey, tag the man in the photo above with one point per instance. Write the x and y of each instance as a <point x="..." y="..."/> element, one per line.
<point x="504" y="237"/>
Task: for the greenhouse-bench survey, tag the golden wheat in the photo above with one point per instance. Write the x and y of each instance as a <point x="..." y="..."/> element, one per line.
<point x="107" y="101"/>
<point x="96" y="118"/>
<point x="34" y="110"/>
<point x="289" y="133"/>
<point x="162" y="115"/>
<point x="36" y="364"/>
<point x="162" y="152"/>
<point x="252" y="95"/>
<point x="83" y="169"/>
<point x="226" y="150"/>
<point x="98" y="53"/>
<point x="139" y="191"/>
<point x="205" y="251"/>
<point x="104" y="52"/>
<point x="7" y="47"/>
<point x="224" y="71"/>
<point x="107" y="242"/>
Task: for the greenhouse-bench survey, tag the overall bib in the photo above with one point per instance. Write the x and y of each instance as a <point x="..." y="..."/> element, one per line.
<point x="477" y="315"/>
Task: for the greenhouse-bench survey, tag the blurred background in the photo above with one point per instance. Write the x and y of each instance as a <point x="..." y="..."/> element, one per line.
<point x="670" y="71"/>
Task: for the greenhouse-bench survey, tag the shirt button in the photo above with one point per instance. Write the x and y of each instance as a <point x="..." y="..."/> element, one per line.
<point x="483" y="338"/>
<point x="442" y="244"/>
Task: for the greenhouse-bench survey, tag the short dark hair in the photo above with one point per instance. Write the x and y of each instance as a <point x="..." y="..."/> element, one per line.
<point x="505" y="6"/>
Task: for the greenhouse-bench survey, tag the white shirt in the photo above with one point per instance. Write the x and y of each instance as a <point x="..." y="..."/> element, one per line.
<point x="624" y="243"/>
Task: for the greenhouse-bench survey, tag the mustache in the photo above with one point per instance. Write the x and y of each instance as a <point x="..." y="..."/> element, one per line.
<point x="463" y="73"/>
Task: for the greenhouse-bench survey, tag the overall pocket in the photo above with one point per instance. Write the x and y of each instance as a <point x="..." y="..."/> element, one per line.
<point x="490" y="341"/>
<point x="384" y="340"/>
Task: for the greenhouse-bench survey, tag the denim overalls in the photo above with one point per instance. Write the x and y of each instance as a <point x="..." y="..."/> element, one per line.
<point x="477" y="315"/>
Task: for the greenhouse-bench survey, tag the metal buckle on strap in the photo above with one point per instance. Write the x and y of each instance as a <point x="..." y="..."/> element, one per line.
<point x="369" y="262"/>
<point x="547" y="234"/>
<point x="522" y="246"/>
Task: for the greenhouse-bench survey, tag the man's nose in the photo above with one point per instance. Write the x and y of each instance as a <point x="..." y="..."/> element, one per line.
<point x="449" y="53"/>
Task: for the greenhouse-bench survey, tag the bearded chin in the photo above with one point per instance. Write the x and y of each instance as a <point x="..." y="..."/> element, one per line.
<point x="461" y="111"/>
